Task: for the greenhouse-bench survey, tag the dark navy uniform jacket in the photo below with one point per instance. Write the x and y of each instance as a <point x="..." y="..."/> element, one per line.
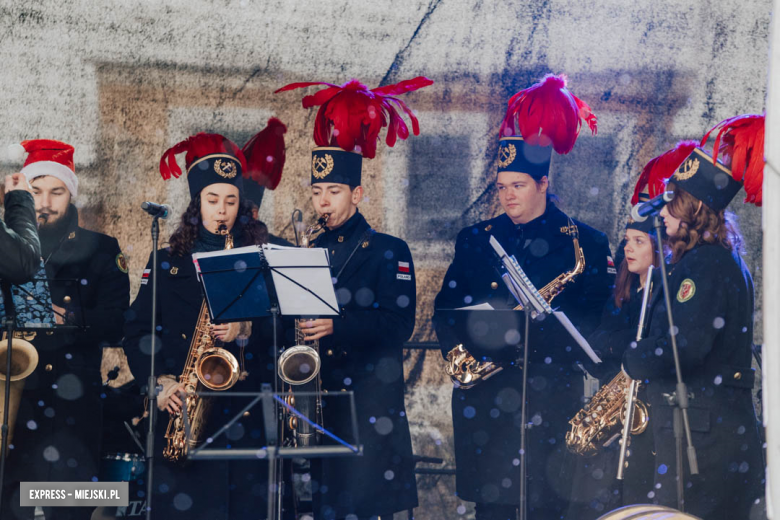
<point x="486" y="417"/>
<point x="58" y="430"/>
<point x="375" y="286"/>
<point x="207" y="490"/>
<point x="711" y="294"/>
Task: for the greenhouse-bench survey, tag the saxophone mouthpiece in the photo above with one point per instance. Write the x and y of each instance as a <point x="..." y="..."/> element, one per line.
<point x="323" y="219"/>
<point x="222" y="229"/>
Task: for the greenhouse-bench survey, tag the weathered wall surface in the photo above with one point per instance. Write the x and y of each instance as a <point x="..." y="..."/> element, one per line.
<point x="124" y="80"/>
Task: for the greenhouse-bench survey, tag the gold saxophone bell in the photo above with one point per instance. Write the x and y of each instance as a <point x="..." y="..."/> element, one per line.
<point x="23" y="363"/>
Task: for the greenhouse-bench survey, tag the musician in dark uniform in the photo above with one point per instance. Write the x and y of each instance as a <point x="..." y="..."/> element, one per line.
<point x="18" y="236"/>
<point x="486" y="417"/>
<point x="59" y="424"/>
<point x="711" y="293"/>
<point x="596" y="488"/>
<point x="362" y="350"/>
<point x="213" y="490"/>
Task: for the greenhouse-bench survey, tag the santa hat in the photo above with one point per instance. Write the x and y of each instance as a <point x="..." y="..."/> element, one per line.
<point x="348" y="123"/>
<point x="48" y="157"/>
<point x="544" y="117"/>
<point x="210" y="159"/>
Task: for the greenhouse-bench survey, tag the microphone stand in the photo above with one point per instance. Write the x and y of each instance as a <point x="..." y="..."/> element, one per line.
<point x="151" y="390"/>
<point x="679" y="399"/>
<point x="523" y="417"/>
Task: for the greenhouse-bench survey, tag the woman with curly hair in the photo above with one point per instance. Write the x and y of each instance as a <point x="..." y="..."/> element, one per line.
<point x="711" y="295"/>
<point x="213" y="490"/>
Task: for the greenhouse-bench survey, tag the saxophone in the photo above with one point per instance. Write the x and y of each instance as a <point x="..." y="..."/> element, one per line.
<point x="464" y="370"/>
<point x="299" y="368"/>
<point x="598" y="424"/>
<point x="208" y="366"/>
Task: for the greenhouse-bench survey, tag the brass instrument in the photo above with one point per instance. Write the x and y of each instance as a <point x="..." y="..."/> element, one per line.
<point x="299" y="367"/>
<point x="23" y="363"/>
<point x="464" y="370"/>
<point x="599" y="424"/>
<point x="208" y="366"/>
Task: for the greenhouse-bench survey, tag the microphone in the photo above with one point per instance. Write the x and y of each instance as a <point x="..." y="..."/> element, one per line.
<point x="156" y="210"/>
<point x="641" y="211"/>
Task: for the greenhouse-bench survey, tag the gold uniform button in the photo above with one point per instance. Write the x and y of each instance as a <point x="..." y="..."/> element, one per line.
<point x="738" y="375"/>
<point x="49" y="368"/>
<point x="330" y="352"/>
<point x="489" y="227"/>
<point x="365" y="244"/>
<point x="494" y="286"/>
<point x="246" y="414"/>
<point x="66" y="300"/>
<point x="333" y="251"/>
<point x="183" y="336"/>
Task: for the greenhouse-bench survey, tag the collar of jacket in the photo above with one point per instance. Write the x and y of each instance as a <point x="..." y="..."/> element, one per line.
<point x="52" y="237"/>
<point x="353" y="227"/>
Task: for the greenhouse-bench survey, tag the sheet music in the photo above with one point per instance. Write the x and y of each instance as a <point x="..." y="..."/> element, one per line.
<point x="309" y="267"/>
<point x="581" y="341"/>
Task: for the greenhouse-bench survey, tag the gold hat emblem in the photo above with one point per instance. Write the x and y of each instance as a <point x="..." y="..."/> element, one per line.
<point x="226" y="169"/>
<point x="506" y="155"/>
<point x="321" y="166"/>
<point x="687" y="170"/>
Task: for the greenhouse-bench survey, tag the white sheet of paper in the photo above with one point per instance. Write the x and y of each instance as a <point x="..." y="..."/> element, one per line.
<point x="582" y="342"/>
<point x="293" y="299"/>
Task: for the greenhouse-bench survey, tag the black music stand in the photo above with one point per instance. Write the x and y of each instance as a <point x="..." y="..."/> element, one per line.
<point x="26" y="308"/>
<point x="259" y="281"/>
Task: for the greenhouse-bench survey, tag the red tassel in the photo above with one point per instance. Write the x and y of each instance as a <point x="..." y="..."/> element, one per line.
<point x="351" y="116"/>
<point x="740" y="141"/>
<point x="265" y="155"/>
<point x="660" y="169"/>
<point x="547" y="113"/>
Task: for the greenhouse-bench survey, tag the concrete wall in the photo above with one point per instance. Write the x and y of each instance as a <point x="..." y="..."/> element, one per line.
<point x="124" y="80"/>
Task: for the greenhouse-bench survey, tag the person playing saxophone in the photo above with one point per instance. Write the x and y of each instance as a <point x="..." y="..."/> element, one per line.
<point x="217" y="217"/>
<point x="486" y="417"/>
<point x="373" y="273"/>
<point x="596" y="487"/>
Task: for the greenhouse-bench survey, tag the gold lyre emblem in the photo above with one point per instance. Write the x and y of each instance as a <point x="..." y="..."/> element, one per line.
<point x="321" y="166"/>
<point x="226" y="169"/>
<point x="687" y="170"/>
<point x="506" y="155"/>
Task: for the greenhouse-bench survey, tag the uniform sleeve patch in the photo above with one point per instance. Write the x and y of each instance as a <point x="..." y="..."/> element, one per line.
<point x="145" y="276"/>
<point x="687" y="290"/>
<point x="121" y="262"/>
<point x="403" y="267"/>
<point x="610" y="262"/>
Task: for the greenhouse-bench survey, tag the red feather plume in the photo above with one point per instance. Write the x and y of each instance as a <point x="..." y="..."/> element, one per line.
<point x="265" y="156"/>
<point x="351" y="116"/>
<point x="197" y="146"/>
<point x="740" y="141"/>
<point x="547" y="113"/>
<point x="660" y="169"/>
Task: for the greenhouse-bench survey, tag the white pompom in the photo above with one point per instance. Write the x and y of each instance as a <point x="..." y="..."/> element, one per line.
<point x="15" y="153"/>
